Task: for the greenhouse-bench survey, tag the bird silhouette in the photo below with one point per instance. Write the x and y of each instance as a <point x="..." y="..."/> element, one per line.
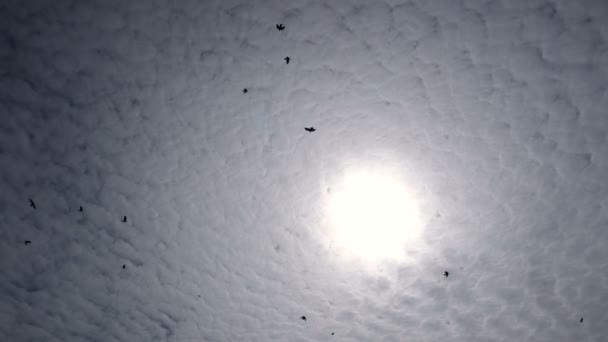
<point x="332" y="334"/>
<point x="280" y="27"/>
<point x="80" y="209"/>
<point x="124" y="219"/>
<point x="581" y="320"/>
<point x="124" y="266"/>
<point x="310" y="129"/>
<point x="303" y="318"/>
<point x="32" y="204"/>
<point x="245" y="91"/>
<point x="446" y="274"/>
<point x="27" y="242"/>
<point x="287" y="59"/>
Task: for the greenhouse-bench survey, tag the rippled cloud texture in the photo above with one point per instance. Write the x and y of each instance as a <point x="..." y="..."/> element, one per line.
<point x="494" y="111"/>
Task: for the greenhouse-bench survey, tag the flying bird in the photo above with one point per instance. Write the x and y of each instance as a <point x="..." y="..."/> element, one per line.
<point x="332" y="334"/>
<point x="280" y="27"/>
<point x="124" y="219"/>
<point x="446" y="274"/>
<point x="287" y="59"/>
<point x="303" y="318"/>
<point x="124" y="266"/>
<point x="32" y="204"/>
<point x="310" y="129"/>
<point x="581" y="320"/>
<point x="244" y="90"/>
<point x="27" y="242"/>
<point x="80" y="209"/>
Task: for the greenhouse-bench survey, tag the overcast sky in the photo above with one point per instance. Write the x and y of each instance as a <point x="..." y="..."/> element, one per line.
<point x="490" y="115"/>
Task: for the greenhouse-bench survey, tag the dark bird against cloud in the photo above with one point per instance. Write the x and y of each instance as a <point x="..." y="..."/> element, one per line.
<point x="446" y="274"/>
<point x="124" y="219"/>
<point x="287" y="59"/>
<point x="581" y="320"/>
<point x="310" y="129"/>
<point x="80" y="209"/>
<point x="303" y="318"/>
<point x="124" y="266"/>
<point x="244" y="90"/>
<point x="27" y="242"/>
<point x="32" y="204"/>
<point x="280" y="27"/>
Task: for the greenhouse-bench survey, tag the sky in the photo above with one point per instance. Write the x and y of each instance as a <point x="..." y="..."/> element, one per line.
<point x="157" y="182"/>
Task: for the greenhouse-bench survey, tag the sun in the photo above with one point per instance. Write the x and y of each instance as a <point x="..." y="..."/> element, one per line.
<point x="373" y="217"/>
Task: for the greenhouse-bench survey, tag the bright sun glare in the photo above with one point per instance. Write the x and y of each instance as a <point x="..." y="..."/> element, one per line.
<point x="373" y="217"/>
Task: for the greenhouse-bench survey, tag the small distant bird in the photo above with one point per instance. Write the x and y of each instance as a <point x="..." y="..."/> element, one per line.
<point x="310" y="129"/>
<point x="124" y="219"/>
<point x="244" y="90"/>
<point x="32" y="204"/>
<point x="27" y="242"/>
<point x="287" y="59"/>
<point x="80" y="209"/>
<point x="581" y="320"/>
<point x="124" y="266"/>
<point x="280" y="27"/>
<point x="303" y="318"/>
<point x="332" y="334"/>
<point x="446" y="274"/>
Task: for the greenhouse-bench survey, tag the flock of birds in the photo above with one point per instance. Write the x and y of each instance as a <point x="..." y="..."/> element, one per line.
<point x="124" y="220"/>
<point x="279" y="27"/>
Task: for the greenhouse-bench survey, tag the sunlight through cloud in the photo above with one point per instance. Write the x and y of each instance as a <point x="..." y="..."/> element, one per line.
<point x="373" y="217"/>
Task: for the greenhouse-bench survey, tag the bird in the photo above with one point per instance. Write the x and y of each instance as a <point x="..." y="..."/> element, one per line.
<point x="280" y="27"/>
<point x="80" y="209"/>
<point x="32" y="204"/>
<point x="332" y="334"/>
<point x="446" y="274"/>
<point x="124" y="266"/>
<point x="287" y="59"/>
<point x="303" y="318"/>
<point x="27" y="242"/>
<point x="124" y="219"/>
<point x="244" y="90"/>
<point x="310" y="129"/>
<point x="581" y="320"/>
